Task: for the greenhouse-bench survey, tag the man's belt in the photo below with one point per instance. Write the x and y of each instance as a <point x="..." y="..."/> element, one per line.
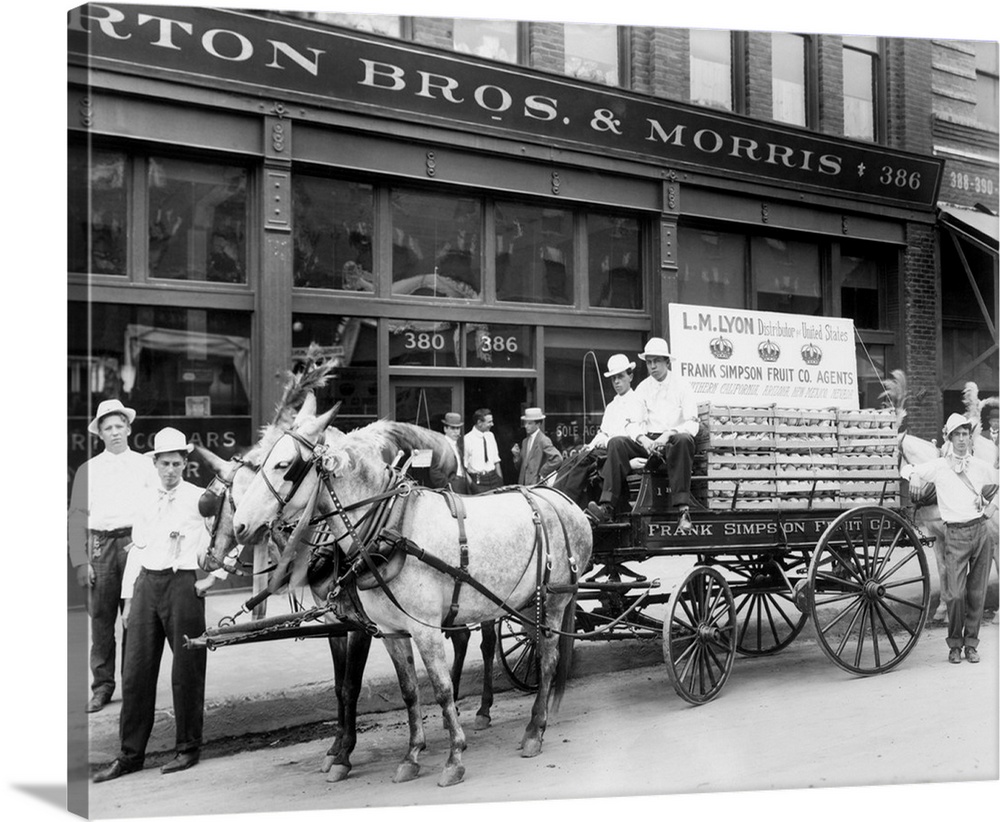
<point x="117" y="533"/>
<point x="968" y="524"/>
<point x="484" y="477"/>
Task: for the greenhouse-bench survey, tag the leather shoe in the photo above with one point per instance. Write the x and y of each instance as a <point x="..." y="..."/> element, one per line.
<point x="600" y="511"/>
<point x="955" y="655"/>
<point x="684" y="525"/>
<point x="97" y="701"/>
<point x="971" y="654"/>
<point x="116" y="769"/>
<point x="181" y="762"/>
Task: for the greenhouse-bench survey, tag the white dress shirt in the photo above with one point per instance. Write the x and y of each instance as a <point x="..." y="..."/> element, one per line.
<point x="668" y="405"/>
<point x="169" y="531"/>
<point x="956" y="500"/>
<point x="622" y="418"/>
<point x="476" y="461"/>
<point x="107" y="492"/>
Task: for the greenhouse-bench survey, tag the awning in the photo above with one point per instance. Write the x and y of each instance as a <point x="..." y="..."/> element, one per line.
<point x="977" y="227"/>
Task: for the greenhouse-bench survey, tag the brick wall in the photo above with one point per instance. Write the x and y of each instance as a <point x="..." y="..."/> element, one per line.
<point x="641" y="44"/>
<point x="671" y="72"/>
<point x="758" y="73"/>
<point x="433" y="31"/>
<point x="921" y="310"/>
<point x="547" y="47"/>
<point x="831" y="84"/>
<point x="908" y="90"/>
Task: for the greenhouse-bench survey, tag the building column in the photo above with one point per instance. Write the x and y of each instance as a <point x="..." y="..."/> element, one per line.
<point x="665" y="287"/>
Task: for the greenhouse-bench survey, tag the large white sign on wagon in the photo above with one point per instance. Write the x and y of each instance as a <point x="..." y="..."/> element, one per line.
<point x="751" y="358"/>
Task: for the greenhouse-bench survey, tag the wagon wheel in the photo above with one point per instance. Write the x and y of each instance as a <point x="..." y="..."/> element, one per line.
<point x="517" y="650"/>
<point x="768" y="618"/>
<point x="866" y="562"/>
<point x="699" y="643"/>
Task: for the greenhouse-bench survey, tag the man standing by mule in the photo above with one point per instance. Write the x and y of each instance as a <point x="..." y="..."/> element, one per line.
<point x="966" y="494"/>
<point x="106" y="493"/>
<point x="167" y="605"/>
<point x="482" y="457"/>
<point x="537" y="457"/>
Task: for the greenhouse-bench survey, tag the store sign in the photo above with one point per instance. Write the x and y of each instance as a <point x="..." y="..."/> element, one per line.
<point x="754" y="358"/>
<point x="328" y="67"/>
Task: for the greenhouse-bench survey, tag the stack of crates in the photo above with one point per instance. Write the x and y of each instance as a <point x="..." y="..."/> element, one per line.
<point x="766" y="457"/>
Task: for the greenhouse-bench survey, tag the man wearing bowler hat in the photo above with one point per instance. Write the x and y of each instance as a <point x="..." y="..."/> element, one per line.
<point x="536" y="457"/>
<point x="167" y="606"/>
<point x="966" y="494"/>
<point x="107" y="491"/>
<point x="665" y="436"/>
<point x="453" y="431"/>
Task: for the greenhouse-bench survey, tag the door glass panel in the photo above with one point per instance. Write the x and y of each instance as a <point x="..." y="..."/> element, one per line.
<point x="534" y="257"/>
<point x="423" y="405"/>
<point x="197" y="221"/>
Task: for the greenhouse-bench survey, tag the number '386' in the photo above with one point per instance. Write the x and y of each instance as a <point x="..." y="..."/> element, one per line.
<point x="900" y="178"/>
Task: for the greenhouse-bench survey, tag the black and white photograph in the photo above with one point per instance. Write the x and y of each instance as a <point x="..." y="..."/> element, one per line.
<point x="520" y="409"/>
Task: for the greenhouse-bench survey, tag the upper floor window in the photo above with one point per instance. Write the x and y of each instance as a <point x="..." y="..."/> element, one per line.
<point x="494" y="39"/>
<point x="861" y="83"/>
<point x="534" y="256"/>
<point x="613" y="254"/>
<point x="98" y="211"/>
<point x="712" y="68"/>
<point x="788" y="78"/>
<point x="987" y="84"/>
<point x="592" y="52"/>
<point x="388" y="24"/>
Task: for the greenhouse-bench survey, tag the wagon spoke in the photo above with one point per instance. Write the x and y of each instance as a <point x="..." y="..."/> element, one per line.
<point x="874" y="630"/>
<point x="839" y="580"/>
<point x="853" y="604"/>
<point x="850" y="628"/>
<point x="901" y="601"/>
<point x="892" y="640"/>
<point x="898" y="565"/>
<point x="896" y="617"/>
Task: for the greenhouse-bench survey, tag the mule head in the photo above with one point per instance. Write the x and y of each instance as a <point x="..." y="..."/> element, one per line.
<point x="284" y="480"/>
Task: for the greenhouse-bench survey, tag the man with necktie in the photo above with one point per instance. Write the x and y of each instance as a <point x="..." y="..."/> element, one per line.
<point x="966" y="494"/>
<point x="167" y="605"/>
<point x="482" y="457"/>
<point x="537" y="457"/>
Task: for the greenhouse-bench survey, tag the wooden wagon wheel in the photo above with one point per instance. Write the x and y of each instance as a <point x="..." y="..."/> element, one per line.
<point x="767" y="615"/>
<point x="699" y="642"/>
<point x="517" y="650"/>
<point x="869" y="590"/>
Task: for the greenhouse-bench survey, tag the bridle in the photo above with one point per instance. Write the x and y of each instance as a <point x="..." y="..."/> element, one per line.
<point x="220" y="491"/>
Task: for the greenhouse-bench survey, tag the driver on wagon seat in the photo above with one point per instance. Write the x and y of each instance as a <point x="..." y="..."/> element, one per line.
<point x="665" y="435"/>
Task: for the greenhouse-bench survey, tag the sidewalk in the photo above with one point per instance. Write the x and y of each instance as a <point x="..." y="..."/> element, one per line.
<point x="270" y="685"/>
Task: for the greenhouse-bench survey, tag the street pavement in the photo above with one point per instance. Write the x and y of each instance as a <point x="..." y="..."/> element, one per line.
<point x="266" y="686"/>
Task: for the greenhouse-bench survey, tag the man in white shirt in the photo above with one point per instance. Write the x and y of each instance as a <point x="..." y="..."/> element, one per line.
<point x="103" y="505"/>
<point x="167" y="606"/>
<point x="665" y="436"/>
<point x="482" y="457"/>
<point x="966" y="494"/>
<point x="537" y="457"/>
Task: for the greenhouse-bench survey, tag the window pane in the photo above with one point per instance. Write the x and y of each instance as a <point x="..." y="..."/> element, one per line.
<point x="352" y="342"/>
<point x="424" y="342"/>
<point x="490" y="345"/>
<point x="613" y="259"/>
<point x="712" y="268"/>
<point x="788" y="78"/>
<point x="98" y="209"/>
<point x="386" y="24"/>
<point x="787" y="276"/>
<point x="534" y="257"/>
<point x="712" y="68"/>
<point x="860" y="290"/>
<point x="197" y="221"/>
<point x="332" y="233"/>
<point x="436" y="245"/>
<point x="592" y="52"/>
<point x="987" y="84"/>
<point x="494" y="39"/>
<point x="859" y="95"/>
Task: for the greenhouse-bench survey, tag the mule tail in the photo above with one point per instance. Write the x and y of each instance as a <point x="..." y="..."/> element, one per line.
<point x="565" y="654"/>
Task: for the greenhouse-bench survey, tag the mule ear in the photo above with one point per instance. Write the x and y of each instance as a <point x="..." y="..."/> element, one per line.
<point x="215" y="462"/>
<point x="307" y="410"/>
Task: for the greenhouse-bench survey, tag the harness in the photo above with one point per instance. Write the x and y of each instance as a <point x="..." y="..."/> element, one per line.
<point x="377" y="548"/>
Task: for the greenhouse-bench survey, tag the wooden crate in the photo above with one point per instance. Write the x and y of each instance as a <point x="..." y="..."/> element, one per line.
<point x="820" y="464"/>
<point x="738" y="465"/>
<point x="735" y="428"/>
<point x="859" y="466"/>
<point x="870" y="430"/>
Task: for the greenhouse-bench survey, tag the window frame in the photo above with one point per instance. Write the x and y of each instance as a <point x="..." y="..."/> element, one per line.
<point x="880" y="122"/>
<point x="810" y="78"/>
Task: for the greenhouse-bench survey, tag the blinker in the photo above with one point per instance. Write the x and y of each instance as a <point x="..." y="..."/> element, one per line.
<point x="297" y="471"/>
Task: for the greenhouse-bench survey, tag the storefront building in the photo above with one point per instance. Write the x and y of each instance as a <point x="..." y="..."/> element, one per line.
<point x="463" y="231"/>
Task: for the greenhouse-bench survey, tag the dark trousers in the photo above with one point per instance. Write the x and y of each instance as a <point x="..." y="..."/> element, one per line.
<point x="573" y="476"/>
<point x="107" y="558"/>
<point x="164" y="607"/>
<point x="966" y="572"/>
<point x="677" y="458"/>
<point x="481" y="483"/>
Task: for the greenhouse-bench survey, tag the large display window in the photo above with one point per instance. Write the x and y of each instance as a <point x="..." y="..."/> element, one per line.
<point x="98" y="211"/>
<point x="534" y="253"/>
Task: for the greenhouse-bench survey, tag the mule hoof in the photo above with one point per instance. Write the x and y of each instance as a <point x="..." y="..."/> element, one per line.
<point x="530" y="747"/>
<point x="482" y="722"/>
<point x="451" y="775"/>
<point x="336" y="773"/>
<point x="406" y="772"/>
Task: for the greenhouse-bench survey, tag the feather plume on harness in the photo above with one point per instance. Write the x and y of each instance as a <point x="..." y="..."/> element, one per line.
<point x="314" y="374"/>
<point x="973" y="407"/>
<point x="895" y="395"/>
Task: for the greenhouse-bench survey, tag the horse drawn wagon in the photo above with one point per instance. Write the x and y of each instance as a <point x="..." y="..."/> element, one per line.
<point x="799" y="519"/>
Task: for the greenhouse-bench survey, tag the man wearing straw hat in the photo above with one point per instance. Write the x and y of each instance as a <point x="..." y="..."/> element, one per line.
<point x="536" y="456"/>
<point x="665" y="436"/>
<point x="966" y="494"/>
<point x="167" y="606"/>
<point x="106" y="493"/>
